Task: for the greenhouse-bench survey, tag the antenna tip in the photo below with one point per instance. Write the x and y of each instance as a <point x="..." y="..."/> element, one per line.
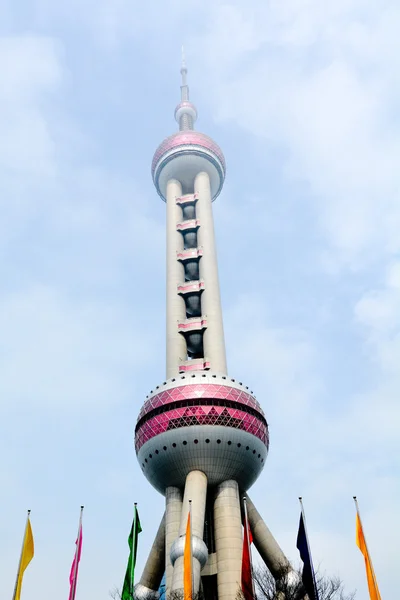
<point x="354" y="497"/>
<point x="82" y="507"/>
<point x="183" y="60"/>
<point x="135" y="503"/>
<point x="300" y="497"/>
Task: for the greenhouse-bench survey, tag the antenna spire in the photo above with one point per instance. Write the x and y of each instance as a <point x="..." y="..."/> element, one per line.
<point x="185" y="112"/>
<point x="184" y="85"/>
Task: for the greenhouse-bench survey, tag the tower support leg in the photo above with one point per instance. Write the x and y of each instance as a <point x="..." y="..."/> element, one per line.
<point x="196" y="491"/>
<point x="228" y="539"/>
<point x="271" y="553"/>
<point x="173" y="511"/>
<point x="153" y="572"/>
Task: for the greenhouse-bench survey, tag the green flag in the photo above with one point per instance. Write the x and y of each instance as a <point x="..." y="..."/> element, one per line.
<point x="127" y="590"/>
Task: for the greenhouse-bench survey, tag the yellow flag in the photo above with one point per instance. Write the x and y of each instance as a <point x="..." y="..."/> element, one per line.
<point x="361" y="543"/>
<point x="26" y="557"/>
<point x="187" y="563"/>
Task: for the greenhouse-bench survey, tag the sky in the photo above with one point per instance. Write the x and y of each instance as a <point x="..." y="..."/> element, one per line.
<point x="303" y="98"/>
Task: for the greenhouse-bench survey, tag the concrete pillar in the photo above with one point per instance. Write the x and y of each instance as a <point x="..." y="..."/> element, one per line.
<point x="265" y="543"/>
<point x="176" y="311"/>
<point x="196" y="491"/>
<point x="155" y="565"/>
<point x="214" y="342"/>
<point x="228" y="539"/>
<point x="173" y="511"/>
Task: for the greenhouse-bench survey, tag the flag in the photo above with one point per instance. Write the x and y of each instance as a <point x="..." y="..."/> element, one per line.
<point x="308" y="575"/>
<point x="127" y="590"/>
<point x="27" y="553"/>
<point x="187" y="563"/>
<point x="247" y="574"/>
<point x="361" y="543"/>
<point x="73" y="575"/>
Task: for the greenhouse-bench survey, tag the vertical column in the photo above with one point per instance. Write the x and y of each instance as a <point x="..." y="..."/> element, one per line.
<point x="196" y="491"/>
<point x="266" y="544"/>
<point x="214" y="341"/>
<point x="176" y="345"/>
<point x="173" y="511"/>
<point x="228" y="539"/>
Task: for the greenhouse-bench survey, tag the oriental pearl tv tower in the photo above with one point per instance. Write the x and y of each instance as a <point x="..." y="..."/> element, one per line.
<point x="201" y="437"/>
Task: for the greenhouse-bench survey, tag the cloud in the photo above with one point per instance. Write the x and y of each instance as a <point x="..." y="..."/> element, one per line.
<point x="306" y="80"/>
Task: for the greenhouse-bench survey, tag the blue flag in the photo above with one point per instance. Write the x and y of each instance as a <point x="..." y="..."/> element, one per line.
<point x="308" y="575"/>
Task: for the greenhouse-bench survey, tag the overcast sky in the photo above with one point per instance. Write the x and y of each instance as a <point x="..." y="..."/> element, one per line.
<point x="303" y="97"/>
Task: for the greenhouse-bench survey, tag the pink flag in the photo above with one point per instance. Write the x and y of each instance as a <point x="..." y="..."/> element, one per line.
<point x="73" y="576"/>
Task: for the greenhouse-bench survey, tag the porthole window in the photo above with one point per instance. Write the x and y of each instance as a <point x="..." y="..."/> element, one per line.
<point x="218" y="441"/>
<point x="174" y="445"/>
<point x="254" y="451"/>
<point x="259" y="455"/>
<point x="229" y="443"/>
<point x="150" y="456"/>
<point x="164" y="447"/>
<point x="207" y="441"/>
<point x="157" y="452"/>
<point x="196" y="441"/>
<point x="239" y="445"/>
<point x="145" y="460"/>
<point x="184" y="443"/>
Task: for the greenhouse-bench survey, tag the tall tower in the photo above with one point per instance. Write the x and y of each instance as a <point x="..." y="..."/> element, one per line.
<point x="201" y="435"/>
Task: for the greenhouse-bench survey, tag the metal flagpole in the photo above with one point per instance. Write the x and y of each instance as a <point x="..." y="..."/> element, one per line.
<point x="133" y="549"/>
<point x="246" y="522"/>
<point x="365" y="541"/>
<point x="308" y="545"/>
<point x="20" y="558"/>
<point x="76" y="556"/>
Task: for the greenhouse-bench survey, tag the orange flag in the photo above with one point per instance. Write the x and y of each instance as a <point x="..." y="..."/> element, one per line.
<point x="187" y="563"/>
<point x="361" y="543"/>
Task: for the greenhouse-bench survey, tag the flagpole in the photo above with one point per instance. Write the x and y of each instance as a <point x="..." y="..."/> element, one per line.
<point x="191" y="550"/>
<point x="365" y="540"/>
<point x="20" y="558"/>
<point x="133" y="547"/>
<point x="76" y="556"/>
<point x="246" y="521"/>
<point x="308" y="543"/>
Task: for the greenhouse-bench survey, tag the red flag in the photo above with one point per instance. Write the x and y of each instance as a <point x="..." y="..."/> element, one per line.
<point x="73" y="576"/>
<point x="247" y="572"/>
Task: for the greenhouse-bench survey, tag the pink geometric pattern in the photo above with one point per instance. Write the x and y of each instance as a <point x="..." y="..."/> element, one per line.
<point x="186" y="138"/>
<point x="200" y="415"/>
<point x="196" y="391"/>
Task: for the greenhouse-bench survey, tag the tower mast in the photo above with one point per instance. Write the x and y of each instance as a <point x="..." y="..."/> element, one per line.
<point x="200" y="436"/>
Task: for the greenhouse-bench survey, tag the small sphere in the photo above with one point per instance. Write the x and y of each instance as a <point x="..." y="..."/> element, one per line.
<point x="185" y="108"/>
<point x="184" y="155"/>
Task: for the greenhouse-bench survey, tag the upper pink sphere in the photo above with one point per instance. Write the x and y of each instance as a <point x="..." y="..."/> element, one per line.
<point x="183" y="154"/>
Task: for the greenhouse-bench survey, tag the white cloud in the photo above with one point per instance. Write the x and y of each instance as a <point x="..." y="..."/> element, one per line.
<point x="305" y="79"/>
